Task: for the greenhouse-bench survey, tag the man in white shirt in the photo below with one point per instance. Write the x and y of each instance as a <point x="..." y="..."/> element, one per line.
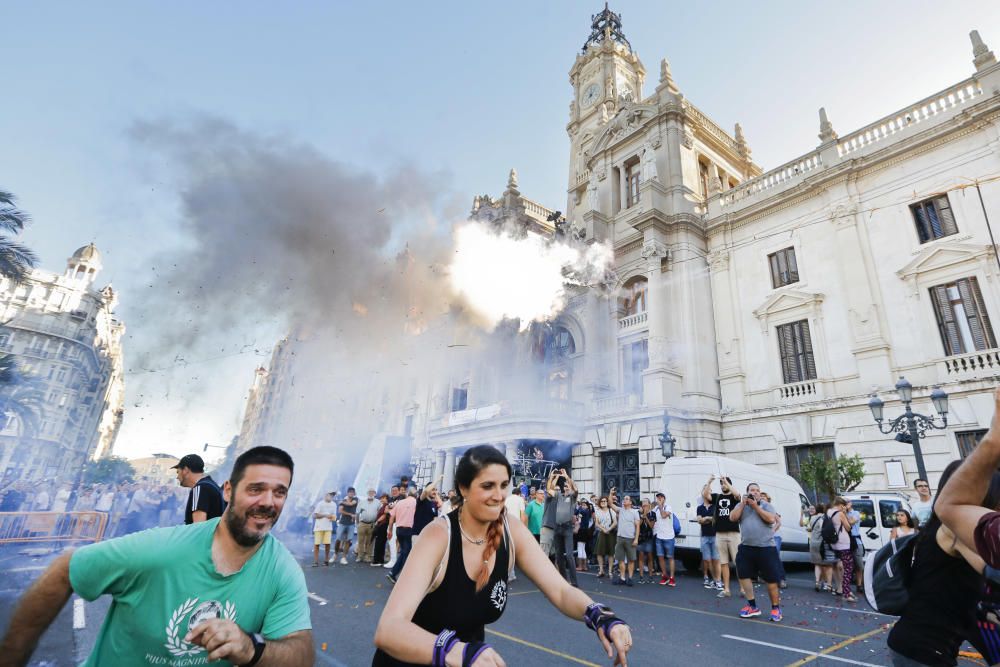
<point x="323" y="515"/>
<point x="515" y="506"/>
<point x="663" y="536"/>
<point x="922" y="507"/>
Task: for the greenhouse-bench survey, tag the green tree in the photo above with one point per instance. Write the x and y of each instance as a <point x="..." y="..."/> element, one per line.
<point x="108" y="470"/>
<point x="22" y="396"/>
<point x="828" y="476"/>
<point x="16" y="259"/>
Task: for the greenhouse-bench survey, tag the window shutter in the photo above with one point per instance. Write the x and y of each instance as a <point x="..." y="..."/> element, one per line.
<point x="793" y="267"/>
<point x="946" y="216"/>
<point x="950" y="339"/>
<point x="775" y="273"/>
<point x="935" y="223"/>
<point x="786" y="350"/>
<point x="923" y="229"/>
<point x="809" y="365"/>
<point x="975" y="312"/>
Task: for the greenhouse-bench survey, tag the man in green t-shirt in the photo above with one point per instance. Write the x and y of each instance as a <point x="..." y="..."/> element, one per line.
<point x="223" y="589"/>
<point x="534" y="511"/>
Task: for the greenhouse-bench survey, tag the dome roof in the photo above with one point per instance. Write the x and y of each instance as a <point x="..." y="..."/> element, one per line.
<point x="87" y="253"/>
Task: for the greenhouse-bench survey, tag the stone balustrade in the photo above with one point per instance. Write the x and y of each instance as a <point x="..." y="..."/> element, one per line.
<point x="632" y="321"/>
<point x="798" y="392"/>
<point x="972" y="365"/>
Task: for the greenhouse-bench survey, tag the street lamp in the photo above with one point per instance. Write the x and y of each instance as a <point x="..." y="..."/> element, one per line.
<point x="911" y="426"/>
<point x="667" y="440"/>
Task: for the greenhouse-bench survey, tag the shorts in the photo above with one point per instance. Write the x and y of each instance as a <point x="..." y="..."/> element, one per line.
<point x="624" y="549"/>
<point x="727" y="544"/>
<point x="665" y="548"/>
<point x="322" y="536"/>
<point x="646" y="547"/>
<point x="605" y="545"/>
<point x="858" y="551"/>
<point x="709" y="549"/>
<point x="753" y="562"/>
<point x="344" y="532"/>
<point x="547" y="537"/>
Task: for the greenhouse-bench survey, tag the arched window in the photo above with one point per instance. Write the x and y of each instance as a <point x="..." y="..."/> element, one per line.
<point x="560" y="344"/>
<point x="633" y="297"/>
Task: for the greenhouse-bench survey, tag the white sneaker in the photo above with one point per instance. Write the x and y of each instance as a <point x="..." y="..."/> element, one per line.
<point x="343" y="560"/>
<point x="389" y="565"/>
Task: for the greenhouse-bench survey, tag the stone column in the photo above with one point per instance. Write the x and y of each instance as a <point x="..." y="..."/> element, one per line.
<point x="732" y="377"/>
<point x="661" y="385"/>
<point x="448" y="483"/>
<point x="438" y="465"/>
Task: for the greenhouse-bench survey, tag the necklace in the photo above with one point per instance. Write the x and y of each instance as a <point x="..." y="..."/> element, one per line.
<point x="478" y="542"/>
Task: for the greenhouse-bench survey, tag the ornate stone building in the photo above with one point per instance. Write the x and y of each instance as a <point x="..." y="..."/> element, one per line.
<point x="63" y="331"/>
<point x="759" y="309"/>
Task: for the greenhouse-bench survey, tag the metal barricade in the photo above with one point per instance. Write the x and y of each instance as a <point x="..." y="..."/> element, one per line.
<point x="47" y="527"/>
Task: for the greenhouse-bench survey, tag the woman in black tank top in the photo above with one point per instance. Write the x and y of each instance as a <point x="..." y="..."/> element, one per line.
<point x="945" y="585"/>
<point x="455" y="580"/>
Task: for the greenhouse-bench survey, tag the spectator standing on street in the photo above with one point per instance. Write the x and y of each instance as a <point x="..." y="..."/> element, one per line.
<point x="665" y="537"/>
<point x="857" y="544"/>
<point x="820" y="553"/>
<point x="515" y="506"/>
<point x="428" y="506"/>
<point x="223" y="589"/>
<point x="628" y="540"/>
<point x="709" y="548"/>
<point x="61" y="499"/>
<point x="727" y="530"/>
<point x="605" y="522"/>
<point x="924" y="504"/>
<point x="562" y="497"/>
<point x="534" y="511"/>
<point x="367" y="514"/>
<point x="381" y="531"/>
<point x="43" y="499"/>
<point x="904" y="525"/>
<point x="585" y="514"/>
<point x="437" y="614"/>
<point x="348" y="512"/>
<point x="401" y="520"/>
<point x="323" y="515"/>
<point x="842" y="547"/>
<point x="205" y="498"/>
<point x="757" y="556"/>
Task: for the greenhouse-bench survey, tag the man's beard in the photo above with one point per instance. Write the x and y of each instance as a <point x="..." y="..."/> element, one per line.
<point x="237" y="526"/>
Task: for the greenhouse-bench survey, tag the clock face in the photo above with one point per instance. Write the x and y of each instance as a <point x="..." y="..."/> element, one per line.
<point x="590" y="95"/>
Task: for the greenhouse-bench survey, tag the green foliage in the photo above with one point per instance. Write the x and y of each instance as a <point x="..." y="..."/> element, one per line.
<point x="22" y="396"/>
<point x="828" y="477"/>
<point x="108" y="470"/>
<point x="16" y="259"/>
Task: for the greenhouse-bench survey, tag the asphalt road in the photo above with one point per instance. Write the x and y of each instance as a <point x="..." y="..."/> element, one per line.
<point x="686" y="625"/>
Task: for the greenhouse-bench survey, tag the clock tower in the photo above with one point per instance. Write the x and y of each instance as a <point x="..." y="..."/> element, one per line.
<point x="605" y="76"/>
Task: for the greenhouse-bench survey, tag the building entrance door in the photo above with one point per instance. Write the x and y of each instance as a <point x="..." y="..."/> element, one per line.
<point x="620" y="469"/>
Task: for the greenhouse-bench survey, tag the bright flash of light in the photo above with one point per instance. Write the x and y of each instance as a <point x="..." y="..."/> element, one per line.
<point x="501" y="276"/>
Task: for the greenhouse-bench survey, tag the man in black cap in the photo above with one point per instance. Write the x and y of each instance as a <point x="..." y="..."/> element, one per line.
<point x="205" y="500"/>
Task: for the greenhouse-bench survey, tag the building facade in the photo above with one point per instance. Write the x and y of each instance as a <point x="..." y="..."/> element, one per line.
<point x="760" y="310"/>
<point x="156" y="469"/>
<point x="64" y="334"/>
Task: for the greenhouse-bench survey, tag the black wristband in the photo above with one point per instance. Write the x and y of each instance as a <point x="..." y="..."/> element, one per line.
<point x="259" y="644"/>
<point x="472" y="651"/>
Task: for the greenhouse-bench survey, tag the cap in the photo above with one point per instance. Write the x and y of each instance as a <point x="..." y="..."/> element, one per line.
<point x="192" y="462"/>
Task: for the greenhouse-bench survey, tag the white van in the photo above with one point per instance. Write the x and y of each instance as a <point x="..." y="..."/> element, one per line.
<point x="878" y="515"/>
<point x="683" y="478"/>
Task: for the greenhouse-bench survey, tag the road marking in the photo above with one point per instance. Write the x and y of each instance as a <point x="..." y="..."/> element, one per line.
<point x="812" y="654"/>
<point x="541" y="648"/>
<point x="33" y="568"/>
<point x="79" y="615"/>
<point x="854" y="611"/>
<point x="715" y="613"/>
<point x="523" y="593"/>
<point x="322" y="601"/>
<point x="836" y="647"/>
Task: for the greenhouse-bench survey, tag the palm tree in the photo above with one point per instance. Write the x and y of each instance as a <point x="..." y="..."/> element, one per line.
<point x="16" y="259"/>
<point x="22" y="397"/>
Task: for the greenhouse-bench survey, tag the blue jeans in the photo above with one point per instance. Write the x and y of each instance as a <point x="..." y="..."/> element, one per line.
<point x="665" y="547"/>
<point x="405" y="537"/>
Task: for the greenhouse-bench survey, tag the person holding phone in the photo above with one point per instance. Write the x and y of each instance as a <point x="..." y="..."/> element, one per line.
<point x="757" y="555"/>
<point x="560" y="510"/>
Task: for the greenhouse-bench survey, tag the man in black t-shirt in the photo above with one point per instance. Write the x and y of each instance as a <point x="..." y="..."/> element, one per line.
<point x="709" y="549"/>
<point x="727" y="531"/>
<point x="205" y="499"/>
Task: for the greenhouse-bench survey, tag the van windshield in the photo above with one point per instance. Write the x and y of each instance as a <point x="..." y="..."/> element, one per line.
<point x="888" y="509"/>
<point x="867" y="510"/>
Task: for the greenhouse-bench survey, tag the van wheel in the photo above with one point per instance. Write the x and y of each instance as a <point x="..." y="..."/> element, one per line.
<point x="691" y="563"/>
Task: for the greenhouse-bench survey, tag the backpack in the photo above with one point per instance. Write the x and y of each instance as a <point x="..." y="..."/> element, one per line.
<point x="887" y="575"/>
<point x="677" y="525"/>
<point x="828" y="530"/>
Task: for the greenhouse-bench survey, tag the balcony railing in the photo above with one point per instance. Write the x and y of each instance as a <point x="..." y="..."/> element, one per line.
<point x="546" y="408"/>
<point x="632" y="321"/>
<point x="611" y="405"/>
<point x="796" y="392"/>
<point x="982" y="363"/>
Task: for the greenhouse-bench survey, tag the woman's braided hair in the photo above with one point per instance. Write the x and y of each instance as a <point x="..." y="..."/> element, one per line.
<point x="469" y="466"/>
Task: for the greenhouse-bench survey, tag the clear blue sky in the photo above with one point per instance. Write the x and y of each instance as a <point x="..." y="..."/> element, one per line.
<point x="469" y="89"/>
